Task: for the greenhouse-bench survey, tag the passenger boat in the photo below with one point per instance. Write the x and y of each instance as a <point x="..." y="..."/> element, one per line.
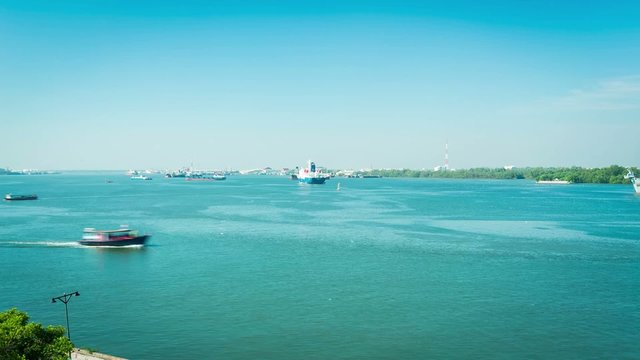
<point x="11" y="197"/>
<point x="636" y="183"/>
<point x="120" y="237"/>
<point x="311" y="175"/>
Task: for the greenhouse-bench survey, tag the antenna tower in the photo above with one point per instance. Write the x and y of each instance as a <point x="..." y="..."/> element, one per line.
<point x="446" y="155"/>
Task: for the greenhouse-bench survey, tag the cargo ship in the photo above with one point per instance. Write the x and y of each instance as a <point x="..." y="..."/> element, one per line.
<point x="311" y="175"/>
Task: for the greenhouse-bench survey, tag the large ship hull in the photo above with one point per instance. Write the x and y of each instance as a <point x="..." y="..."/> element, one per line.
<point x="137" y="240"/>
<point x="312" y="180"/>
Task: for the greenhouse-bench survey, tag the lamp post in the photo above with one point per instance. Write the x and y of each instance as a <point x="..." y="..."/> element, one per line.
<point x="65" y="299"/>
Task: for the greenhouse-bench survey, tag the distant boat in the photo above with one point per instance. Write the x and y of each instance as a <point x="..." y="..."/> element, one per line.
<point x="120" y="237"/>
<point x="636" y="183"/>
<point x="177" y="174"/>
<point x="11" y="197"/>
<point x="311" y="175"/>
<point x="205" y="177"/>
<point x="338" y="187"/>
<point x="140" y="177"/>
<point x="554" y="181"/>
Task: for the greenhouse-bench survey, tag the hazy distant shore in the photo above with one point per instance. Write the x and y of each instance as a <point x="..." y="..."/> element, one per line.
<point x="613" y="174"/>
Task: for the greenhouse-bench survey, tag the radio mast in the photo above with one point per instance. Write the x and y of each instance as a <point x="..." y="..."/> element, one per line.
<point x="446" y="155"/>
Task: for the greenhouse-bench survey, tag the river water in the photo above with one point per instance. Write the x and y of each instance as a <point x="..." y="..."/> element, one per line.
<point x="264" y="267"/>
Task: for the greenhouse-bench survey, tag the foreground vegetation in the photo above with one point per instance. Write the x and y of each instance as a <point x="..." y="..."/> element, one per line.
<point x="610" y="175"/>
<point x="22" y="340"/>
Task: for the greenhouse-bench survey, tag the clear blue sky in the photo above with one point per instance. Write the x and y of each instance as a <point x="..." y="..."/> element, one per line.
<point x="350" y="84"/>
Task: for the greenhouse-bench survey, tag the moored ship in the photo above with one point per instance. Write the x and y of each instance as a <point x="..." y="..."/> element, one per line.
<point x="636" y="184"/>
<point x="182" y="173"/>
<point x="205" y="176"/>
<point x="120" y="237"/>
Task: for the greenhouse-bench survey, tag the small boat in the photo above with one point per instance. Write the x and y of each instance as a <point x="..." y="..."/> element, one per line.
<point x="311" y="175"/>
<point x="554" y="181"/>
<point x="120" y="237"/>
<point x="205" y="177"/>
<point x="636" y="183"/>
<point x="140" y="177"/>
<point x="11" y="197"/>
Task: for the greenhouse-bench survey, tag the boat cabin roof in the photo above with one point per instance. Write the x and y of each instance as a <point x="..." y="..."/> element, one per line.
<point x="92" y="230"/>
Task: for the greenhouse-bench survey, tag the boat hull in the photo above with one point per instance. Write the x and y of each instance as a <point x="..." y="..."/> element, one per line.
<point x="137" y="240"/>
<point x="9" y="197"/>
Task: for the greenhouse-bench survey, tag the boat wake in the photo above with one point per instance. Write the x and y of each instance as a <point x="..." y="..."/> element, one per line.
<point x="17" y="244"/>
<point x="59" y="244"/>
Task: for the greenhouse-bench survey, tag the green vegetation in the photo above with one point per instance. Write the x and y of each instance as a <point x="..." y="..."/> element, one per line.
<point x="22" y="340"/>
<point x="610" y="175"/>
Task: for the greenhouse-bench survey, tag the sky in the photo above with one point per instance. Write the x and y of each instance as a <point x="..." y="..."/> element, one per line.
<point x="349" y="84"/>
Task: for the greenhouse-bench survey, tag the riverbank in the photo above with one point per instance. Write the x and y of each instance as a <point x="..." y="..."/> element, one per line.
<point x="82" y="354"/>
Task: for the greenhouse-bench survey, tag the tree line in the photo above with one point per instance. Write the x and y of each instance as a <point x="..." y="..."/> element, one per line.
<point x="613" y="174"/>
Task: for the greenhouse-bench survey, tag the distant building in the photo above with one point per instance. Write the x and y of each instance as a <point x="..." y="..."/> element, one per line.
<point x="345" y="173"/>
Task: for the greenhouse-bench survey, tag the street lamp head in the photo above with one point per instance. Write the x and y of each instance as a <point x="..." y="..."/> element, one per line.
<point x="53" y="300"/>
<point x="77" y="293"/>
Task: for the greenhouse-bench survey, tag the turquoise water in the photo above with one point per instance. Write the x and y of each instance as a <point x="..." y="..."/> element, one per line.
<point x="262" y="267"/>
